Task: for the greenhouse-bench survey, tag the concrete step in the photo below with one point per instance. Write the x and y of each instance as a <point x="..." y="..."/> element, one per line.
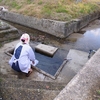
<point x="8" y="32"/>
<point x="23" y="83"/>
<point x="21" y="89"/>
<point x="27" y="94"/>
<point x="11" y="76"/>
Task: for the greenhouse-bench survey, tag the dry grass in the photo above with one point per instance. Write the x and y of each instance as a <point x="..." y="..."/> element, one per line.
<point x="52" y="9"/>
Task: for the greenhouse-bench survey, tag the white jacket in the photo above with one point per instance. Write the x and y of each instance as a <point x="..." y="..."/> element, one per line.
<point x="25" y="58"/>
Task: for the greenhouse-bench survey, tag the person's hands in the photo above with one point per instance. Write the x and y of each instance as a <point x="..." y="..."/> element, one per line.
<point x="33" y="62"/>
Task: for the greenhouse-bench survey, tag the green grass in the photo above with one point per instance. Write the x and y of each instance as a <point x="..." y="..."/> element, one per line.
<point x="40" y="2"/>
<point x="98" y="92"/>
<point x="46" y="9"/>
<point x="61" y="9"/>
<point x="15" y="5"/>
<point x="29" y="2"/>
<point x="0" y="79"/>
<point x="0" y="0"/>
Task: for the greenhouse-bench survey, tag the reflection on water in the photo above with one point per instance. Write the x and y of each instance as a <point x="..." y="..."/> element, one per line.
<point x="90" y="40"/>
<point x="84" y="42"/>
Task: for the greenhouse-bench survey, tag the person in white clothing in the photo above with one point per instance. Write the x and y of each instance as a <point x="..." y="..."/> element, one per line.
<point x="23" y="56"/>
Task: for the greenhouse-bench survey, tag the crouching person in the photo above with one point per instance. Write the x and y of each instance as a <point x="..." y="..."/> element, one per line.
<point x="23" y="56"/>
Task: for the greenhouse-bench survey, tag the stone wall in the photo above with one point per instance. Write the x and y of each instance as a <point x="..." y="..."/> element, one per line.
<point x="7" y="32"/>
<point x="59" y="29"/>
<point x="82" y="86"/>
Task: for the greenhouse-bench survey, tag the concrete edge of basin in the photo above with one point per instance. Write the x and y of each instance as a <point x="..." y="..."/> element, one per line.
<point x="81" y="87"/>
<point x="60" y="29"/>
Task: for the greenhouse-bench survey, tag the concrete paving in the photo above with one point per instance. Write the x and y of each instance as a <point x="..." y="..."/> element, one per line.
<point x="76" y="59"/>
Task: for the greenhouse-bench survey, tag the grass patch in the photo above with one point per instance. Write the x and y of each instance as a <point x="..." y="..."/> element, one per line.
<point x="98" y="92"/>
<point x="61" y="9"/>
<point x="0" y="79"/>
<point x="15" y="5"/>
<point x="40" y="2"/>
<point x="87" y="8"/>
<point x="29" y="2"/>
<point x="0" y="0"/>
<point x="1" y="45"/>
<point x="47" y="9"/>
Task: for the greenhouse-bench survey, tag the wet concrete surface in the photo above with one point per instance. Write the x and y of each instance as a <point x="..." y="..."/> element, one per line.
<point x="78" y="41"/>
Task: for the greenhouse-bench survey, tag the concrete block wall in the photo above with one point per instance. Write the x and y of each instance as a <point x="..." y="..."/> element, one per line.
<point x="59" y="29"/>
<point x="8" y="32"/>
<point x="55" y="28"/>
<point x="82" y="86"/>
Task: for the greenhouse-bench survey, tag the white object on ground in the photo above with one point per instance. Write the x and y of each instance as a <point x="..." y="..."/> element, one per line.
<point x="3" y="8"/>
<point x="35" y="62"/>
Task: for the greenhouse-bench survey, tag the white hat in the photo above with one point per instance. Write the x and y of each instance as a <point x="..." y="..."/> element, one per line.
<point x="25" y="38"/>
